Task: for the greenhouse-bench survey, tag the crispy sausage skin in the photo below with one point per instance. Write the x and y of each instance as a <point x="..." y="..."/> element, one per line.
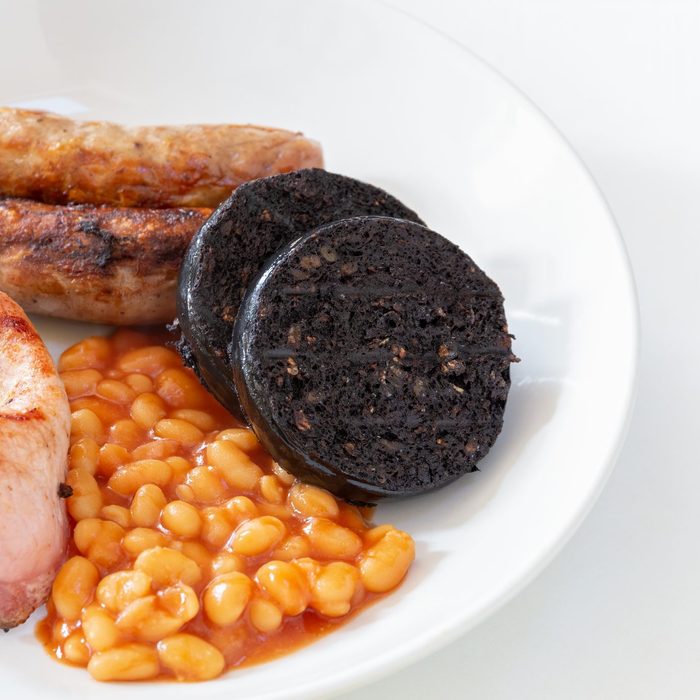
<point x="34" y="433"/>
<point x="94" y="263"/>
<point x="57" y="160"/>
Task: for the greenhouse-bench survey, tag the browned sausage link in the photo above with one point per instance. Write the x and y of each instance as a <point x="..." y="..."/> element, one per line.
<point x="100" y="264"/>
<point x="57" y="160"/>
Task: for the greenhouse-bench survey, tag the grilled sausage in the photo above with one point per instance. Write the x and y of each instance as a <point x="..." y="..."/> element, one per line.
<point x="101" y="264"/>
<point x="56" y="160"/>
<point x="34" y="432"/>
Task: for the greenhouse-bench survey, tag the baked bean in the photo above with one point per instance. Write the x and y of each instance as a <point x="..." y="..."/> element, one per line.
<point x="225" y="563"/>
<point x="140" y="383"/>
<point x="99" y="540"/>
<point x="79" y="382"/>
<point x="91" y="353"/>
<point x="281" y="512"/>
<point x="241" y="508"/>
<point x="351" y="517"/>
<point x="146" y="505"/>
<point x="83" y="455"/>
<point x="310" y="567"/>
<point x="126" y="433"/>
<point x="385" y="563"/>
<point x="99" y="628"/>
<point x="178" y="429"/>
<point x="190" y="658"/>
<point x="216" y="526"/>
<point x="195" y="551"/>
<point x="284" y="476"/>
<point x="373" y="535"/>
<point x="334" y="588"/>
<point x="118" y="590"/>
<point x="331" y="541"/>
<point x="112" y="457"/>
<point x="130" y="477"/>
<point x="258" y="535"/>
<point x="150" y="360"/>
<point x="271" y="489"/>
<point x="117" y="514"/>
<point x="182" y="519"/>
<point x="226" y="597"/>
<point x="180" y="601"/>
<point x="106" y="411"/>
<point x="179" y="388"/>
<point x="84" y="423"/>
<point x="168" y="566"/>
<point x="75" y="650"/>
<point x="86" y="500"/>
<point x="205" y="484"/>
<point x="286" y="584"/>
<point x="116" y="391"/>
<point x="185" y="493"/>
<point x="311" y="501"/>
<point x="179" y="465"/>
<point x="74" y="587"/>
<point x="155" y="449"/>
<point x="130" y="662"/>
<point x="142" y="538"/>
<point x="147" y="409"/>
<point x="237" y="469"/>
<point x="294" y="547"/>
<point x="242" y="437"/>
<point x="201" y="419"/>
<point x="144" y="620"/>
<point x="264" y="615"/>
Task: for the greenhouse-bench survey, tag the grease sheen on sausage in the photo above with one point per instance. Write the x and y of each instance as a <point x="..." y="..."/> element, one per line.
<point x="102" y="264"/>
<point x="57" y="160"/>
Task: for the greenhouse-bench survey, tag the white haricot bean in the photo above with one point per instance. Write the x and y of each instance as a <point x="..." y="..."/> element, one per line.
<point x="258" y="535"/>
<point x="190" y="658"/>
<point x="168" y="566"/>
<point x="226" y="597"/>
<point x="385" y="563"/>
<point x="311" y="501"/>
<point x="131" y="662"/>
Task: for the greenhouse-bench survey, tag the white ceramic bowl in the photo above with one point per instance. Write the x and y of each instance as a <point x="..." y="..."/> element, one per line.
<point x="398" y="105"/>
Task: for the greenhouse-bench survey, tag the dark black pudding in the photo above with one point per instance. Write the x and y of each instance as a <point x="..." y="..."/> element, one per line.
<point x="371" y="357"/>
<point x="227" y="252"/>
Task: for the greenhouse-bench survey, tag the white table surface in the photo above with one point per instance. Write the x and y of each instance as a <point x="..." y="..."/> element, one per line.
<point x="617" y="614"/>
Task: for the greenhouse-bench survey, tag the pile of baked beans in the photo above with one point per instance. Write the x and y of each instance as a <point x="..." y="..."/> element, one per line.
<point x="192" y="551"/>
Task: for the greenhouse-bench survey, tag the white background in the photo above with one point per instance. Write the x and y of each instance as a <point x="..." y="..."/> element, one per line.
<point x="617" y="614"/>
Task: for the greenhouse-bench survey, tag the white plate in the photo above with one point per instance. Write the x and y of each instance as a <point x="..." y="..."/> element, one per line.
<point x="396" y="104"/>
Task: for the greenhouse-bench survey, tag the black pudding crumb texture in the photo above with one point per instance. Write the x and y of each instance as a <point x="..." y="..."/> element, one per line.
<point x="372" y="358"/>
<point x="227" y="252"/>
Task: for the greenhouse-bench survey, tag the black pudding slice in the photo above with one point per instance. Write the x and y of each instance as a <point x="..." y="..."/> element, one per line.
<point x="371" y="357"/>
<point x="227" y="252"/>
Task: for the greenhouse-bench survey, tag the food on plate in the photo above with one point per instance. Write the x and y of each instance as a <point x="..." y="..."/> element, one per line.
<point x="34" y="429"/>
<point x="57" y="160"/>
<point x="193" y="551"/>
<point x="229" y="249"/>
<point x="115" y="265"/>
<point x="371" y="357"/>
